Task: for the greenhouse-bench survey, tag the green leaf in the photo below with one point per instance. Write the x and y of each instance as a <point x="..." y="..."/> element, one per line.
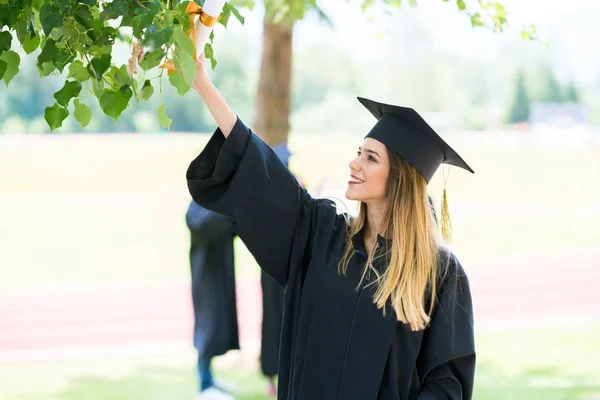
<point x="158" y="38"/>
<point x="115" y="9"/>
<point x="138" y="25"/>
<point x="12" y="61"/>
<point x="62" y="59"/>
<point x="100" y="65"/>
<point x="186" y="64"/>
<point x="208" y="51"/>
<point x="367" y="4"/>
<point x="55" y="116"/>
<point x="224" y="19"/>
<point x="147" y="91"/>
<point x="5" y="40"/>
<point x="98" y="87"/>
<point x="31" y="44"/>
<point x="164" y="120"/>
<point x="104" y="39"/>
<point x="183" y="41"/>
<point x="209" y="54"/>
<point x="3" y="67"/>
<point x="461" y="5"/>
<point x="51" y="18"/>
<point x="141" y="22"/>
<point x="152" y="59"/>
<point x="57" y="56"/>
<point x="114" y="102"/>
<point x="10" y="13"/>
<point x="46" y="69"/>
<point x="78" y="71"/>
<point x="69" y="90"/>
<point x="83" y="16"/>
<point x="178" y="81"/>
<point x="249" y="4"/>
<point x="48" y="52"/>
<point x="82" y="113"/>
<point x="477" y="20"/>
<point x="235" y="12"/>
<point x="21" y="29"/>
<point x="62" y="5"/>
<point x="121" y="76"/>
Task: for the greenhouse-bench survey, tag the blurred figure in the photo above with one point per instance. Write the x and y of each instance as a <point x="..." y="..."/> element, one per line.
<point x="213" y="294"/>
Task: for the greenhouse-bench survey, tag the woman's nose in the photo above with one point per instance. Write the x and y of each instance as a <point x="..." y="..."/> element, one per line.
<point x="354" y="164"/>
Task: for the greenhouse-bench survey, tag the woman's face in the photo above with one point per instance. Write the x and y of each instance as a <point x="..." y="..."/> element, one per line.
<point x="369" y="173"/>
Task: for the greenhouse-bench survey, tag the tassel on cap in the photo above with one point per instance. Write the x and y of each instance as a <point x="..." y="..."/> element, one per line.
<point x="446" y="223"/>
<point x="445" y="217"/>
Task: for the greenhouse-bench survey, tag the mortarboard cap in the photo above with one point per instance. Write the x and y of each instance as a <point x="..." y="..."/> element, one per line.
<point x="406" y="133"/>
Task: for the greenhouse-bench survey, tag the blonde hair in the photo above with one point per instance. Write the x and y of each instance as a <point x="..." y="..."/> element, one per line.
<point x="409" y="281"/>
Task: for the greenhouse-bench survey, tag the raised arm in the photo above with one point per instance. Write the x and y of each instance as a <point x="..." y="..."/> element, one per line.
<point x="239" y="176"/>
<point x="216" y="104"/>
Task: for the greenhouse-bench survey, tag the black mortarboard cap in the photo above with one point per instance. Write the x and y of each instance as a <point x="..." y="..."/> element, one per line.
<point x="406" y="133"/>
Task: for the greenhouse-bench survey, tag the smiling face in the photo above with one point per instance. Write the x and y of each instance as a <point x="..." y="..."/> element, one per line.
<point x="369" y="172"/>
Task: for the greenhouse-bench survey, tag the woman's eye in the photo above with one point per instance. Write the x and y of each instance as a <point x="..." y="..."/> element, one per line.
<point x="358" y="153"/>
<point x="371" y="158"/>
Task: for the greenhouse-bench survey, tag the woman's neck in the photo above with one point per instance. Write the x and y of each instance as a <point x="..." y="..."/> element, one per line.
<point x="373" y="222"/>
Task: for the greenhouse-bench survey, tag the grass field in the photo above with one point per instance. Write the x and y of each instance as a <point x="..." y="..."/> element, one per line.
<point x="105" y="209"/>
<point x="533" y="364"/>
<point x="110" y="208"/>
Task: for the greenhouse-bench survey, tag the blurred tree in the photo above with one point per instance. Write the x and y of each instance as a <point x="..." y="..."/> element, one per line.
<point x="549" y="89"/>
<point x="572" y="93"/>
<point x="520" y="105"/>
<point x="273" y="97"/>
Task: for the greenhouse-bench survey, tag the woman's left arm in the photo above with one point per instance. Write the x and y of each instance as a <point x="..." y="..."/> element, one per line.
<point x="447" y="359"/>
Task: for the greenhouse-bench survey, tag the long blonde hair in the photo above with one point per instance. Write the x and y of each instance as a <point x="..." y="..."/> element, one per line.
<point x="410" y="279"/>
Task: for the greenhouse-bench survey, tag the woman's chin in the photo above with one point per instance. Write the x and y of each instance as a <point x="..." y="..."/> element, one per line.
<point x="350" y="195"/>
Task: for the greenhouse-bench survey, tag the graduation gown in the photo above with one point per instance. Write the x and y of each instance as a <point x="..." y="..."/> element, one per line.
<point x="335" y="343"/>
<point x="213" y="282"/>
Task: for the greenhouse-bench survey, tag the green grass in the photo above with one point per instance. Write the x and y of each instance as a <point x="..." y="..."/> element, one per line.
<point x="546" y="363"/>
<point x="540" y="363"/>
<point x="110" y="208"/>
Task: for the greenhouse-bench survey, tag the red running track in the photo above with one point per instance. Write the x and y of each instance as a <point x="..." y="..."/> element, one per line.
<point x="510" y="290"/>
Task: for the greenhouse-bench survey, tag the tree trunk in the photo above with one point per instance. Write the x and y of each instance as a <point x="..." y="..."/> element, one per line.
<point x="274" y="87"/>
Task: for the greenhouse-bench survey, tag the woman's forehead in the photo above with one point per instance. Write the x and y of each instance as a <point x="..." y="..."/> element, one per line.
<point x="373" y="144"/>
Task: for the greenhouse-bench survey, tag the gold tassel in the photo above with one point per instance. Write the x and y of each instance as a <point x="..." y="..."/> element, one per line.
<point x="445" y="219"/>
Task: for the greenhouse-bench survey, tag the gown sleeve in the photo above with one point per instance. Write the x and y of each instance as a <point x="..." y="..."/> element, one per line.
<point x="447" y="358"/>
<point x="241" y="177"/>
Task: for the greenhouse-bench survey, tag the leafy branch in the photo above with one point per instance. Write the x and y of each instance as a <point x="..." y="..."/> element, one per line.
<point x="79" y="36"/>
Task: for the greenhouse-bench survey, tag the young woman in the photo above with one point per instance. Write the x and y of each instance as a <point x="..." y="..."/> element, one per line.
<point x="375" y="307"/>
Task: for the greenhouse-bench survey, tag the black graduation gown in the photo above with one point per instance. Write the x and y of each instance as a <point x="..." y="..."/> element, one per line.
<point x="213" y="282"/>
<point x="272" y="318"/>
<point x="335" y="343"/>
